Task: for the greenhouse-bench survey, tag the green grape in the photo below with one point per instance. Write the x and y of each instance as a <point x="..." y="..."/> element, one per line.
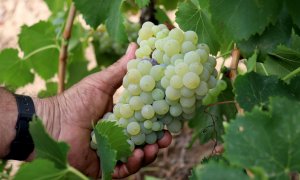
<point x="136" y="103"/>
<point x="177" y="34"/>
<point x="172" y="94"/>
<point x="189" y="110"/>
<point x="191" y="36"/>
<point x="132" y="64"/>
<point x="160" y="107"/>
<point x="191" y="57"/>
<point x="148" y="25"/>
<point x="144" y="67"/>
<point x="134" y="76"/>
<point x="176" y="82"/>
<point x="148" y="124"/>
<point x="144" y="130"/>
<point x="175" y="57"/>
<point x="167" y="119"/>
<point x="181" y="69"/>
<point x="191" y="80"/>
<point x="212" y="61"/>
<point x="170" y="72"/>
<point x="157" y="72"/>
<point x="187" y="102"/>
<point x="151" y="138"/>
<point x="204" y="75"/>
<point x="222" y="85"/>
<point x="178" y="61"/>
<point x="126" y="111"/>
<point x="202" y="89"/>
<point x="214" y="92"/>
<point x="172" y="47"/>
<point x="175" y="126"/>
<point x="204" y="46"/>
<point x="134" y="89"/>
<point x="123" y="122"/>
<point x="138" y="115"/>
<point x="155" y="30"/>
<point x="147" y="83"/>
<point x="186" y="92"/>
<point x="196" y="68"/>
<point x="145" y="33"/>
<point x="125" y="82"/>
<point x="138" y="139"/>
<point x="212" y="82"/>
<point x="208" y="99"/>
<point x="187" y="46"/>
<point x="133" y="128"/>
<point x="157" y="126"/>
<point x="166" y="59"/>
<point x="158" y="55"/>
<point x="148" y="111"/>
<point x="159" y="44"/>
<point x="165" y="82"/>
<point x="176" y="110"/>
<point x="146" y="97"/>
<point x="158" y="94"/>
<point x="203" y="55"/>
<point x="171" y="102"/>
<point x="116" y="110"/>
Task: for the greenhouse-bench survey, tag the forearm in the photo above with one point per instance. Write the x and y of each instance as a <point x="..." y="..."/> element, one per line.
<point x="45" y="109"/>
<point x="8" y="119"/>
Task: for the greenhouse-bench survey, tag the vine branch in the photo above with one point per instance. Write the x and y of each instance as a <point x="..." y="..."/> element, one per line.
<point x="235" y="54"/>
<point x="63" y="56"/>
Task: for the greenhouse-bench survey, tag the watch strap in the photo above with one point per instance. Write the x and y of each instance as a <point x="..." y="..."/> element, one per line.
<point x="22" y="146"/>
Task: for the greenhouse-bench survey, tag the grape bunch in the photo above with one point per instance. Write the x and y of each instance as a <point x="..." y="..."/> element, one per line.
<point x="171" y="76"/>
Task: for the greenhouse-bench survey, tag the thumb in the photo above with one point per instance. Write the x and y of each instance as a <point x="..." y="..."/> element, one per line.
<point x="111" y="78"/>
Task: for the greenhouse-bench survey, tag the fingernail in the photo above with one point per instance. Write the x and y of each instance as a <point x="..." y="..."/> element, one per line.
<point x="129" y="48"/>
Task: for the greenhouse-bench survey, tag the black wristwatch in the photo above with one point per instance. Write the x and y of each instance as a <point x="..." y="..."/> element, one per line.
<point x="22" y="146"/>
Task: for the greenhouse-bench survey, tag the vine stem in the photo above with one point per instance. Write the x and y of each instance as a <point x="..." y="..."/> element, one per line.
<point x="235" y="54"/>
<point x="77" y="173"/>
<point x="63" y="56"/>
<point x="291" y="74"/>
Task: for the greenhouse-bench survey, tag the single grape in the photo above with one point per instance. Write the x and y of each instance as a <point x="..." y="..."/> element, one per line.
<point x="123" y="122"/>
<point x="146" y="97"/>
<point x="172" y="94"/>
<point x="158" y="94"/>
<point x="177" y="34"/>
<point x="170" y="71"/>
<point x="148" y="111"/>
<point x="126" y="111"/>
<point x="187" y="102"/>
<point x="165" y="82"/>
<point x="134" y="76"/>
<point x="186" y="92"/>
<point x="136" y="103"/>
<point x="138" y="139"/>
<point x="181" y="69"/>
<point x="158" y="55"/>
<point x="191" y="80"/>
<point x="138" y="115"/>
<point x="172" y="47"/>
<point x="144" y="67"/>
<point x="147" y="83"/>
<point x="175" y="126"/>
<point x="148" y="124"/>
<point x="212" y="82"/>
<point x="151" y="138"/>
<point x="204" y="75"/>
<point x="145" y="33"/>
<point x="187" y="46"/>
<point x="176" y="82"/>
<point x="134" y="89"/>
<point x="191" y="57"/>
<point x="202" y="89"/>
<point x="166" y="119"/>
<point x="132" y="64"/>
<point x="133" y="128"/>
<point x="157" y="126"/>
<point x="161" y="107"/>
<point x="175" y="110"/>
<point x="196" y="68"/>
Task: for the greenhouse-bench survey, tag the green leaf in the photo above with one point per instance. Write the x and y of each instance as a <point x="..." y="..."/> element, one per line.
<point x="217" y="171"/>
<point x="162" y="16"/>
<point x="253" y="89"/>
<point x="55" y="6"/>
<point x="94" y="12"/>
<point x="294" y="11"/>
<point x="232" y="17"/>
<point x="169" y="5"/>
<point x="267" y="138"/>
<point x="39" y="169"/>
<point x="2" y="165"/>
<point x="142" y="3"/>
<point x="274" y="66"/>
<point x="111" y="145"/>
<point x="77" y="70"/>
<point x="251" y="63"/>
<point x="46" y="147"/>
<point x="38" y="42"/>
<point x="294" y="86"/>
<point x="272" y="36"/>
<point x="115" y="22"/>
<point x="191" y="17"/>
<point x="14" y="72"/>
<point x="51" y="90"/>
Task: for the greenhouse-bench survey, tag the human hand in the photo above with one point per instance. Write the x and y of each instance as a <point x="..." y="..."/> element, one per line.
<point x="69" y="117"/>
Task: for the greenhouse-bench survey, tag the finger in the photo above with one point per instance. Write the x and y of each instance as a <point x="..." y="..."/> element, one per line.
<point x="151" y="151"/>
<point x="133" y="164"/>
<point x="165" y="141"/>
<point x="112" y="76"/>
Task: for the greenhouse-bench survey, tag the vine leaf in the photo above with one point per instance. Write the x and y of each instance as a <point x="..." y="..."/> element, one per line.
<point x="267" y="42"/>
<point x="232" y="18"/>
<point x="111" y="145"/>
<point x="96" y="12"/>
<point x="142" y="3"/>
<point x="294" y="11"/>
<point x="213" y="170"/>
<point x="266" y="139"/>
<point x="14" y="72"/>
<point x="46" y="147"/>
<point x="38" y="42"/>
<point x="51" y="90"/>
<point x="40" y="168"/>
<point x="254" y="89"/>
<point x="55" y="6"/>
<point x="192" y="17"/>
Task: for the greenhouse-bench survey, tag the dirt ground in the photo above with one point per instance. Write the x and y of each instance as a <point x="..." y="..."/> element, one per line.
<point x="174" y="162"/>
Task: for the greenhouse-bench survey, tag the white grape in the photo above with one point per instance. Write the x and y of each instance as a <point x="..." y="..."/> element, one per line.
<point x="136" y="103"/>
<point x="191" y="57"/>
<point x="148" y="112"/>
<point x="202" y="89"/>
<point x="172" y="94"/>
<point x="144" y="67"/>
<point x="175" y="126"/>
<point x="176" y="82"/>
<point x="133" y="128"/>
<point x="187" y="102"/>
<point x="176" y="110"/>
<point x="151" y="138"/>
<point x="158" y="94"/>
<point x="191" y="80"/>
<point x="171" y="47"/>
<point x="181" y="69"/>
<point x="126" y="111"/>
<point x="191" y="36"/>
<point x="147" y="83"/>
<point x="161" y="107"/>
<point x="146" y="97"/>
<point x="176" y="34"/>
<point x="138" y="139"/>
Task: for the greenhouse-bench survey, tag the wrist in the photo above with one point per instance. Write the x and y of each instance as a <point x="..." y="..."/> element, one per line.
<point x="48" y="110"/>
